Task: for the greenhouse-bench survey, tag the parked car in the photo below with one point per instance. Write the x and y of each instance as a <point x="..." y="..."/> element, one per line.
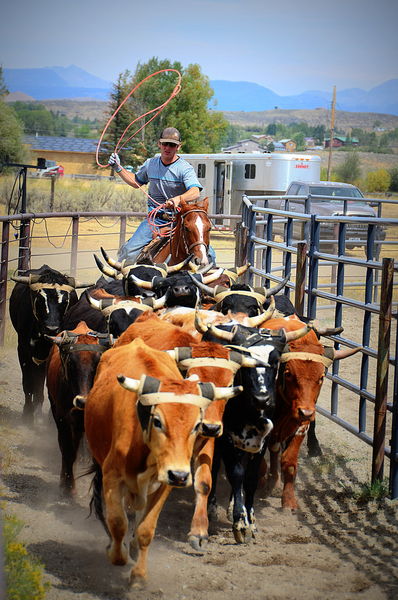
<point x="56" y="170"/>
<point x="328" y="199"/>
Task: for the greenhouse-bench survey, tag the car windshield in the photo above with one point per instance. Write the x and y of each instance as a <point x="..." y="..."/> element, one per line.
<point x="340" y="192"/>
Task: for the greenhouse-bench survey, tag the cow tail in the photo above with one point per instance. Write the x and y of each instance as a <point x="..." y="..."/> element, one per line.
<point x="96" y="504"/>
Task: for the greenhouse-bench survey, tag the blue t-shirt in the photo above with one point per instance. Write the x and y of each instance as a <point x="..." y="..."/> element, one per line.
<point x="166" y="181"/>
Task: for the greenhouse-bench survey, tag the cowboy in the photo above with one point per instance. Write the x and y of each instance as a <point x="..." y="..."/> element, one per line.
<point x="170" y="178"/>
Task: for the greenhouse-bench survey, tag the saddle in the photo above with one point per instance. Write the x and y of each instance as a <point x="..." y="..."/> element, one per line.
<point x="152" y="248"/>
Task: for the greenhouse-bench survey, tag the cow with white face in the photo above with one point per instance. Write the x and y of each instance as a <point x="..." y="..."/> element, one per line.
<point x="248" y="417"/>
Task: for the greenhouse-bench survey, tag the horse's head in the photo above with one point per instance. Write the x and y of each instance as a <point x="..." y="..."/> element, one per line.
<point x="195" y="226"/>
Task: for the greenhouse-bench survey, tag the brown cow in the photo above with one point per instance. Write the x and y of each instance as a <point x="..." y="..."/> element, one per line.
<point x="71" y="368"/>
<point x="211" y="362"/>
<point x="142" y="442"/>
<point x="299" y="383"/>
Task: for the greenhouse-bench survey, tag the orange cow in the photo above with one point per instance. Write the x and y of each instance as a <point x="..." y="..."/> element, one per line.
<point x="299" y="383"/>
<point x="210" y="362"/>
<point x="141" y="436"/>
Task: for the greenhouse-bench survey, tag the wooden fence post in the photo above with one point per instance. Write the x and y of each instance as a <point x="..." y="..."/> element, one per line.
<point x="383" y="356"/>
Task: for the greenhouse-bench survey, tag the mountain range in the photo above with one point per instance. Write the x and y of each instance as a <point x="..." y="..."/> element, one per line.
<point x="72" y="82"/>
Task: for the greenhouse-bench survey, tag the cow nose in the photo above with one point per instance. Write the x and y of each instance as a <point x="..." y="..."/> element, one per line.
<point x="211" y="429"/>
<point x="178" y="478"/>
<point x="180" y="290"/>
<point x="79" y="402"/>
<point x="305" y="414"/>
<point x="264" y="401"/>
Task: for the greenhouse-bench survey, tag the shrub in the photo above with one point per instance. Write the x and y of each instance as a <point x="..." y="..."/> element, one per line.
<point x="23" y="571"/>
<point x="378" y="181"/>
<point x="394" y="179"/>
<point x="350" y="168"/>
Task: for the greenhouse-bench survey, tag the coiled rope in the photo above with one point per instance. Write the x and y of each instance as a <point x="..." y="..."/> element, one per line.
<point x="160" y="230"/>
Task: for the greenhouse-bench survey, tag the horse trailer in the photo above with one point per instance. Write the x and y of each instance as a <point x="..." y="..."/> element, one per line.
<point x="226" y="177"/>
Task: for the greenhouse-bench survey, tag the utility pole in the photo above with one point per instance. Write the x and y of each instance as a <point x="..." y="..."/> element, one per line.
<point x="331" y="133"/>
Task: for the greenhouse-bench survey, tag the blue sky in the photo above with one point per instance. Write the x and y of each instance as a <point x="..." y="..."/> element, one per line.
<point x="289" y="46"/>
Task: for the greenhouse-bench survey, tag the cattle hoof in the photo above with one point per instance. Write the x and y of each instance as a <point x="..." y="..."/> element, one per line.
<point x="198" y="542"/>
<point x="239" y="535"/>
<point x="315" y="451"/>
<point x="137" y="581"/>
<point x="133" y="549"/>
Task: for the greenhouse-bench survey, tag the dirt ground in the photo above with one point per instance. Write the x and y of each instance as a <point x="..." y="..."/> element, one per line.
<point x="331" y="548"/>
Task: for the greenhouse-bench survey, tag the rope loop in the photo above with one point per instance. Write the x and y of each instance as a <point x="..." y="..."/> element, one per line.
<point x="122" y="142"/>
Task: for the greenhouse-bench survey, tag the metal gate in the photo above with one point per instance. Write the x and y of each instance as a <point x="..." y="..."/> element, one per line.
<point x="328" y="285"/>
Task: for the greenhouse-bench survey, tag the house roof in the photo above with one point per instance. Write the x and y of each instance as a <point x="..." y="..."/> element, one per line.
<point x="285" y="141"/>
<point x="343" y="138"/>
<point x="64" y="144"/>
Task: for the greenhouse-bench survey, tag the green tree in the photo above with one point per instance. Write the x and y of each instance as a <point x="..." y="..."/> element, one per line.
<point x="300" y="141"/>
<point x="11" y="147"/>
<point x="350" y="170"/>
<point x="271" y="129"/>
<point x="202" y="130"/>
<point x="394" y="179"/>
<point x="378" y="181"/>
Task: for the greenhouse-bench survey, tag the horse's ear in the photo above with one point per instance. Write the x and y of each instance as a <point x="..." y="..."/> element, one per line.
<point x="205" y="203"/>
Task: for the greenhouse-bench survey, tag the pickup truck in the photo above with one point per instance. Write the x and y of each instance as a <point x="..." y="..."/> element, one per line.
<point x="327" y="199"/>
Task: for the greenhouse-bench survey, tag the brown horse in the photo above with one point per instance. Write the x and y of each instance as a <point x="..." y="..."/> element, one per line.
<point x="191" y="237"/>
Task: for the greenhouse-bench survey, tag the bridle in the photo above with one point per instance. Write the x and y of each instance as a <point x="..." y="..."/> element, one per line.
<point x="189" y="247"/>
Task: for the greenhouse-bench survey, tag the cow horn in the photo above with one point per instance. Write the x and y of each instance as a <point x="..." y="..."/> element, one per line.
<point x="22" y="279"/>
<point x="213" y="276"/>
<point x="260" y="319"/>
<point x="200" y="325"/>
<point x="156" y="303"/>
<point x="78" y="284"/>
<point x="277" y="288"/>
<point x="205" y="288"/>
<point x="94" y="302"/>
<point x="113" y="263"/>
<point x="224" y="393"/>
<point x="181" y="265"/>
<point x="220" y="333"/>
<point x="242" y="269"/>
<point x="250" y="361"/>
<point x="344" y="353"/>
<point x="128" y="383"/>
<point x="146" y="285"/>
<point x="327" y="330"/>
<point x="105" y="269"/>
<point x="297" y="333"/>
<point x="205" y="268"/>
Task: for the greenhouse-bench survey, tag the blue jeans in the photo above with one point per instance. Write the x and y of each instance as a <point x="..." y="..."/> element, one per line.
<point x="140" y="238"/>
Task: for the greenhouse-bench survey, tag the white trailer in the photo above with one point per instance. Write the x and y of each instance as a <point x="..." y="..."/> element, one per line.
<point x="226" y="177"/>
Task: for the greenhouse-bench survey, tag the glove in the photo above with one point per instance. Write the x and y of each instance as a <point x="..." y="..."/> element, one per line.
<point x="114" y="162"/>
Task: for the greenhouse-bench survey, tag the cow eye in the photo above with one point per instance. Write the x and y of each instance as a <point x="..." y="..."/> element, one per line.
<point x="157" y="423"/>
<point x="196" y="428"/>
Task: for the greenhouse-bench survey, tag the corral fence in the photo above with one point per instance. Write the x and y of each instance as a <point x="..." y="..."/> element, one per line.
<point x="326" y="285"/>
<point x="339" y="278"/>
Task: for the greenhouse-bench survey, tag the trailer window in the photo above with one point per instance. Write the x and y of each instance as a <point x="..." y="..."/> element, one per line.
<point x="201" y="171"/>
<point x="250" y="171"/>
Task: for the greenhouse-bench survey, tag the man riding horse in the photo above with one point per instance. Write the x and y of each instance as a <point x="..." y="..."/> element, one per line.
<point x="171" y="179"/>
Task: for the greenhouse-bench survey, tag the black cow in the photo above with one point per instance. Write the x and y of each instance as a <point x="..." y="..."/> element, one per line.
<point x="125" y="274"/>
<point x="37" y="305"/>
<point x="240" y="297"/>
<point x="179" y="289"/>
<point x="247" y="419"/>
<point x="71" y="368"/>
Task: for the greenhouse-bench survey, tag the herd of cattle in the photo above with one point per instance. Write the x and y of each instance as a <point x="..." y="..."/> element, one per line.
<point x="168" y="371"/>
